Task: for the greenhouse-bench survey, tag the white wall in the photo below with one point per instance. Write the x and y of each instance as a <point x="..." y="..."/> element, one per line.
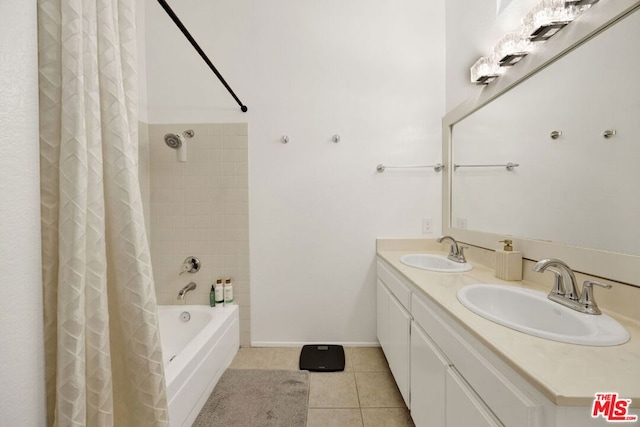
<point x="372" y="71"/>
<point x="22" y="395"/>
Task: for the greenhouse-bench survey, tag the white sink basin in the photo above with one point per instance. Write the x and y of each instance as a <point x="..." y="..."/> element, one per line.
<point x="433" y="262"/>
<point x="530" y="311"/>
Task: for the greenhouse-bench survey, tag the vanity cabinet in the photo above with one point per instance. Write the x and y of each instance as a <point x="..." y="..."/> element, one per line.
<point x="445" y="376"/>
<point x="463" y="406"/>
<point x="439" y="394"/>
<point x="428" y="376"/>
<point x="475" y="364"/>
<point x="394" y="323"/>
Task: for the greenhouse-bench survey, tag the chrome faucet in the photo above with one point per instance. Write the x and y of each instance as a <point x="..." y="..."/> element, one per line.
<point x="191" y="286"/>
<point x="457" y="252"/>
<point x="565" y="281"/>
<point x="565" y="290"/>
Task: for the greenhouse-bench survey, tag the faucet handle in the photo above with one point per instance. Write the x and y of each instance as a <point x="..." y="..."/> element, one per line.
<point x="191" y="264"/>
<point x="587" y="298"/>
<point x="461" y="253"/>
<point x="558" y="282"/>
<point x="186" y="267"/>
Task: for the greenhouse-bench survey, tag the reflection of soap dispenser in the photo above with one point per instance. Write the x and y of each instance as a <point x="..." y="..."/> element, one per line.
<point x="508" y="262"/>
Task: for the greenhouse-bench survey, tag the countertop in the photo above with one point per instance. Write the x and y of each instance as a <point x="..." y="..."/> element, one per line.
<point x="567" y="374"/>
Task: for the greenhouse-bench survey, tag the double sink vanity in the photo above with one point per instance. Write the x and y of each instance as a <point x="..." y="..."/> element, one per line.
<point x="468" y="349"/>
<point x="527" y="310"/>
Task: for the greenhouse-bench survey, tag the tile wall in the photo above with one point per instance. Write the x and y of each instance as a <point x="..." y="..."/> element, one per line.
<point x="200" y="208"/>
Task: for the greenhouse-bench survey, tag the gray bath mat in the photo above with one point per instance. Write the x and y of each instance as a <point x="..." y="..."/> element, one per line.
<point x="257" y="398"/>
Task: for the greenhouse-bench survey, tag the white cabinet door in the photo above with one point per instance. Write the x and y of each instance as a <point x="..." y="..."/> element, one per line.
<point x="428" y="372"/>
<point x="463" y="406"/>
<point x="383" y="297"/>
<point x="399" y="346"/>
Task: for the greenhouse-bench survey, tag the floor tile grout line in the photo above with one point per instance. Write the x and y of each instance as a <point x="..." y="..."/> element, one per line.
<point x="369" y="366"/>
<point x="306" y="421"/>
<point x="358" y="393"/>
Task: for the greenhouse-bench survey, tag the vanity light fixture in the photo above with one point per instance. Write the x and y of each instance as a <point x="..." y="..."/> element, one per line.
<point x="540" y="24"/>
<point x="580" y="2"/>
<point x="548" y="17"/>
<point x="512" y="48"/>
<point x="485" y="70"/>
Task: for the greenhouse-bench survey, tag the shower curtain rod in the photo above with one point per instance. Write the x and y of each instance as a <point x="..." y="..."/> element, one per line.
<point x="195" y="45"/>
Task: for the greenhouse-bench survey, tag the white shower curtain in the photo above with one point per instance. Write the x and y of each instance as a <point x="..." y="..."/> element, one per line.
<point x="103" y="356"/>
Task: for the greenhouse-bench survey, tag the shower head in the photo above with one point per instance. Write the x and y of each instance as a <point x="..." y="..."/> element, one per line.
<point x="172" y="140"/>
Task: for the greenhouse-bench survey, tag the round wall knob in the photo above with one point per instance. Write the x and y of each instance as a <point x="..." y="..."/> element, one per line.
<point x="284" y="139"/>
<point x="555" y="134"/>
<point x="609" y="133"/>
<point x="190" y="264"/>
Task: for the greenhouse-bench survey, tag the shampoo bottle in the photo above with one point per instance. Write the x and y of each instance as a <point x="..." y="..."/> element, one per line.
<point x="212" y="296"/>
<point x="228" y="293"/>
<point x="219" y="293"/>
<point x="508" y="262"/>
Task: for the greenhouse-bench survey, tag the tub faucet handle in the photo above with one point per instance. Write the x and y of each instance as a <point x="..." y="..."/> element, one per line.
<point x="191" y="264"/>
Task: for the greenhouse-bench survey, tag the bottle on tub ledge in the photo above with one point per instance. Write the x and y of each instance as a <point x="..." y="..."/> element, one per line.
<point x="508" y="262"/>
<point x="228" y="293"/>
<point x="219" y="293"/>
<point x="212" y="296"/>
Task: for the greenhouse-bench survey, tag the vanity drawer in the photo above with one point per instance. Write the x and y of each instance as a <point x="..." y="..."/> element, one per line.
<point x="510" y="404"/>
<point x="398" y="286"/>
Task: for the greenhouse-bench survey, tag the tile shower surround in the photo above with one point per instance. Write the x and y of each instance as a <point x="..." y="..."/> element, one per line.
<point x="200" y="208"/>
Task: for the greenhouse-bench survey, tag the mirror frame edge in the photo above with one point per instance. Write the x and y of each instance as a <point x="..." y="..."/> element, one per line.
<point x="619" y="267"/>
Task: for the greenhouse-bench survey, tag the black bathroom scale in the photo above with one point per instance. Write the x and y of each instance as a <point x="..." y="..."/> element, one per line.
<point x="322" y="358"/>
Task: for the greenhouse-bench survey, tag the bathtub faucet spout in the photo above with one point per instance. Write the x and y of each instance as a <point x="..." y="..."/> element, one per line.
<point x="191" y="286"/>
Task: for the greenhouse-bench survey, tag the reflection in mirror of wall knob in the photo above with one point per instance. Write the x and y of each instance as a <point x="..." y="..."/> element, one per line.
<point x="190" y="264"/>
<point x="608" y="133"/>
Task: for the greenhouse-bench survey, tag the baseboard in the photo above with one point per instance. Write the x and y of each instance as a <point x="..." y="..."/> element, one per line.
<point x="300" y="344"/>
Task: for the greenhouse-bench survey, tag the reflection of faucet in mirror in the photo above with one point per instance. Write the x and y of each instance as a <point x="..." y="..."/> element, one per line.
<point x="565" y="290"/>
<point x="457" y="252"/>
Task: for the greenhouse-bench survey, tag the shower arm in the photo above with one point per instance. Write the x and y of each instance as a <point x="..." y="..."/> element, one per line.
<point x="195" y="45"/>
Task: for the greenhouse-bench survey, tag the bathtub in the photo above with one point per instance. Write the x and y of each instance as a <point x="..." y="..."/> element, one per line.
<point x="196" y="352"/>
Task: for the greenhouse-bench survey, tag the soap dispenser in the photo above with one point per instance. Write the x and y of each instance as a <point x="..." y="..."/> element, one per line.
<point x="508" y="262"/>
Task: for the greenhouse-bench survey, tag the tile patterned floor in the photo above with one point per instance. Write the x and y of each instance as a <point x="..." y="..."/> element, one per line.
<point x="363" y="395"/>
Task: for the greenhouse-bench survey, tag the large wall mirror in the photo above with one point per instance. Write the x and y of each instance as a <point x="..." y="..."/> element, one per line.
<point x="570" y="119"/>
